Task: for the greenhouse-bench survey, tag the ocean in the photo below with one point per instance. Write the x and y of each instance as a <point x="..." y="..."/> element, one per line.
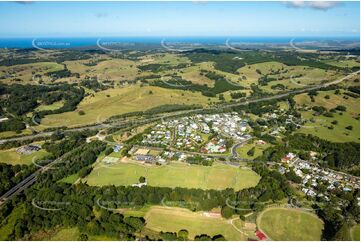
<point x="76" y="42"/>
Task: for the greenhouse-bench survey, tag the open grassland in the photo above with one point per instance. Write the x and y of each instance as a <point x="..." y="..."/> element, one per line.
<point x="290" y="224"/>
<point x="343" y="63"/>
<point x="111" y="102"/>
<point x="171" y="219"/>
<point x="25" y="72"/>
<point x="176" y="174"/>
<point x="258" y="151"/>
<point x="163" y="58"/>
<point x="193" y="74"/>
<point x="320" y="124"/>
<point x="250" y="71"/>
<point x="13" y="158"/>
<point x="289" y="76"/>
<point x="107" y="69"/>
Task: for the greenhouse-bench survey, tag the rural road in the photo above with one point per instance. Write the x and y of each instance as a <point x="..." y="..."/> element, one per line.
<point x="174" y="114"/>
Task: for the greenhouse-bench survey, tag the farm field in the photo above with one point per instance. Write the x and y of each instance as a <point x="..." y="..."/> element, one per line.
<point x="111" y="102"/>
<point x="176" y="174"/>
<point x="10" y="156"/>
<point x="290" y="224"/>
<point x="321" y="123"/>
<point x="171" y="219"/>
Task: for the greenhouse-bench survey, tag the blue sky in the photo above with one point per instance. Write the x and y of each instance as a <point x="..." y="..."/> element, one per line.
<point x="84" y="19"/>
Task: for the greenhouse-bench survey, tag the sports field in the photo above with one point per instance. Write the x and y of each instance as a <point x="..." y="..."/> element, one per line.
<point x="319" y="127"/>
<point x="176" y="174"/>
<point x="171" y="219"/>
<point x="115" y="101"/>
<point x="290" y="224"/>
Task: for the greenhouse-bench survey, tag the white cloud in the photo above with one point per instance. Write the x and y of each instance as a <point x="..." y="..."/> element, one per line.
<point x="319" y="5"/>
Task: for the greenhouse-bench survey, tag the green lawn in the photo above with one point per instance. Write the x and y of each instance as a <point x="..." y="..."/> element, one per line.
<point x="171" y="219"/>
<point x="176" y="174"/>
<point x="12" y="157"/>
<point x="242" y="151"/>
<point x="290" y="224"/>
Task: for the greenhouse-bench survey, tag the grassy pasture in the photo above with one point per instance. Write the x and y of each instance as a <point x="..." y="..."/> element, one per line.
<point x="192" y="74"/>
<point x="164" y="58"/>
<point x="171" y="219"/>
<point x="176" y="174"/>
<point x="290" y="224"/>
<point x="321" y="124"/>
<point x="343" y="63"/>
<point x="113" y="69"/>
<point x="111" y="102"/>
<point x="25" y="71"/>
<point x="310" y="75"/>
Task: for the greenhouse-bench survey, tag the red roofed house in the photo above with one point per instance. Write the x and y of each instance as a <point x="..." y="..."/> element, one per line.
<point x="260" y="235"/>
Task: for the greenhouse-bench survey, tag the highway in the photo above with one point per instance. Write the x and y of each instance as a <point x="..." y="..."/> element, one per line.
<point x="28" y="181"/>
<point x="32" y="178"/>
<point x="126" y="123"/>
